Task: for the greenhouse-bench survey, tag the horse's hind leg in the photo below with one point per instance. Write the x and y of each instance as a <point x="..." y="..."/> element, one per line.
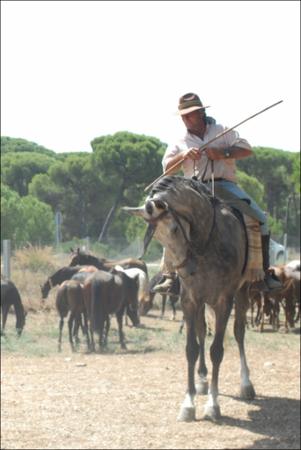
<point x="5" y="309"/>
<point x="173" y="301"/>
<point x="85" y="330"/>
<point x="70" y="325"/>
<point x="61" y="325"/>
<point x="222" y="312"/>
<point x="106" y="329"/>
<point x="119" y="316"/>
<point x="77" y="325"/>
<point x="164" y="296"/>
<point x="241" y="306"/>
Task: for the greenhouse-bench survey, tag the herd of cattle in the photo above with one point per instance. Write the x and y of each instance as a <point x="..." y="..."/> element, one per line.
<point x="90" y="290"/>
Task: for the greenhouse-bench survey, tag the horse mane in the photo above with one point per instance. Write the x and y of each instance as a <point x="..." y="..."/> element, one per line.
<point x="64" y="273"/>
<point x="175" y="183"/>
<point x="88" y="258"/>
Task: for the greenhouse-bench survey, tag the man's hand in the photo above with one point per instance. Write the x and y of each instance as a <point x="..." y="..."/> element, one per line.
<point x="192" y="153"/>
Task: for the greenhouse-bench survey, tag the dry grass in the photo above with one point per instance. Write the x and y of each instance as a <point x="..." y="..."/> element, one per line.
<point x="130" y="399"/>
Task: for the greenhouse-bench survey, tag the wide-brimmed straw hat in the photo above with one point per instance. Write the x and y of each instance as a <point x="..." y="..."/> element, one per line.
<point x="188" y="103"/>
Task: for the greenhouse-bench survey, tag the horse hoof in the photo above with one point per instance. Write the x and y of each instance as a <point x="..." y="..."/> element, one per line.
<point x="186" y="415"/>
<point x="212" y="413"/>
<point x="202" y="388"/>
<point x="247" y="392"/>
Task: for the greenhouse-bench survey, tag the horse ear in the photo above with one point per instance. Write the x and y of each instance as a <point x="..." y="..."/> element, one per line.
<point x="71" y="250"/>
<point x="78" y="250"/>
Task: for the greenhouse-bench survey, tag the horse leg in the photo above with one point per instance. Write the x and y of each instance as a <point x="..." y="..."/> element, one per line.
<point x="202" y="385"/>
<point x="261" y="323"/>
<point x="173" y="301"/>
<point x="241" y="306"/>
<point x="61" y="325"/>
<point x="119" y="316"/>
<point x="85" y="330"/>
<point x="5" y="309"/>
<point x="222" y="313"/>
<point x="102" y="342"/>
<point x="77" y="324"/>
<point x="187" y="410"/>
<point x="106" y="329"/>
<point x="164" y="296"/>
<point x="70" y="325"/>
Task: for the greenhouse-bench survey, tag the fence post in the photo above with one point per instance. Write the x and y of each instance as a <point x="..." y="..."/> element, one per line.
<point x="58" y="221"/>
<point x="6" y="258"/>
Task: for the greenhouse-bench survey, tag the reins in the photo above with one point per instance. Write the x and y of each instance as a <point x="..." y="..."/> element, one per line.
<point x="192" y="250"/>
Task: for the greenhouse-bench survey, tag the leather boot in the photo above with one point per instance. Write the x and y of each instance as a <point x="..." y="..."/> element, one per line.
<point x="164" y="284"/>
<point x="271" y="280"/>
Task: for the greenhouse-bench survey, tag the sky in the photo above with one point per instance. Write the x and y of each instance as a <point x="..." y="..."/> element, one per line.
<point x="75" y="70"/>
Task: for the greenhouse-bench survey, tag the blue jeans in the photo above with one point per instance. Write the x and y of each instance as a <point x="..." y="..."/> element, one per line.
<point x="227" y="190"/>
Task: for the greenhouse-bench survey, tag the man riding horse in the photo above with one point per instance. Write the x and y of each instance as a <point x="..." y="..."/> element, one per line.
<point x="215" y="166"/>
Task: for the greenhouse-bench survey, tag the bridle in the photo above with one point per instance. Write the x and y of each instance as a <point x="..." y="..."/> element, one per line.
<point x="192" y="250"/>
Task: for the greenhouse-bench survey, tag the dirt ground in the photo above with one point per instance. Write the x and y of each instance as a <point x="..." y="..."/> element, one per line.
<point x="130" y="399"/>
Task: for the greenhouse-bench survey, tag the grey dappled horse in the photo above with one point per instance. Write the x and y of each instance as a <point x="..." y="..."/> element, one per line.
<point x="206" y="242"/>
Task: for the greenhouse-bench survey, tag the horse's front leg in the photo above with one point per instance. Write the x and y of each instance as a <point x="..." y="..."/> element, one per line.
<point x="241" y="306"/>
<point x="222" y="312"/>
<point x="187" y="410"/>
<point x="202" y="384"/>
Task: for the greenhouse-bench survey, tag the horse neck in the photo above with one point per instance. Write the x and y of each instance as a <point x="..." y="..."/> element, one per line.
<point x="94" y="262"/>
<point x="62" y="275"/>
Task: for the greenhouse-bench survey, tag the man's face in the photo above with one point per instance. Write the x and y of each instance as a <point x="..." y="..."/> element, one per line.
<point x="194" y="120"/>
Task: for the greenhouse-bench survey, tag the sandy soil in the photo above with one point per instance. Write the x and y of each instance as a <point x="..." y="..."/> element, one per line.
<point x="130" y="400"/>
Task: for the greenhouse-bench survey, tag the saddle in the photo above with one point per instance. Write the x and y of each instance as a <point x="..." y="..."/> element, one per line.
<point x="254" y="263"/>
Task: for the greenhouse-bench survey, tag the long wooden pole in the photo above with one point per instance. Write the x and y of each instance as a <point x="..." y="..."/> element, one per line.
<point x="202" y="148"/>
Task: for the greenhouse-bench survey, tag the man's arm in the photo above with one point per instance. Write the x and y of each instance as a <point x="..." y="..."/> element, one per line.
<point x="177" y="160"/>
<point x="233" y="152"/>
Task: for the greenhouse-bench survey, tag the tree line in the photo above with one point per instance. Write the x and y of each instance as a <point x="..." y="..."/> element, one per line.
<point x="89" y="188"/>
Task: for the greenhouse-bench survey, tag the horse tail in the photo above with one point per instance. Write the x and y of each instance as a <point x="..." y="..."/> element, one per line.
<point x="19" y="310"/>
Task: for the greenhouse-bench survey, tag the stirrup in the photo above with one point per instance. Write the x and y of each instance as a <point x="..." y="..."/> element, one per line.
<point x="272" y="283"/>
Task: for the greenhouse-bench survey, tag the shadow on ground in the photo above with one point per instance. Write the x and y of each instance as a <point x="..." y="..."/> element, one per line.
<point x="277" y="418"/>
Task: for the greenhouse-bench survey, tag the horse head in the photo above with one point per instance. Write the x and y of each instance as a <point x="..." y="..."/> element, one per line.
<point x="170" y="214"/>
<point x="45" y="288"/>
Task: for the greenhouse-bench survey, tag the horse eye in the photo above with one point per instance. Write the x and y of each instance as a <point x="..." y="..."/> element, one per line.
<point x="174" y="228"/>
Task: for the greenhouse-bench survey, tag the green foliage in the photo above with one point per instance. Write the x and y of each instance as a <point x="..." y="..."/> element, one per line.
<point x="18" y="169"/>
<point x="25" y="219"/>
<point x="295" y="177"/>
<point x="12" y="145"/>
<point x="274" y="169"/>
<point x="252" y="186"/>
<point x="126" y="162"/>
<point x="89" y="188"/>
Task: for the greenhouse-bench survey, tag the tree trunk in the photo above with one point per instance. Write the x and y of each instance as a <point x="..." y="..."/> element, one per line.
<point x="110" y="217"/>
